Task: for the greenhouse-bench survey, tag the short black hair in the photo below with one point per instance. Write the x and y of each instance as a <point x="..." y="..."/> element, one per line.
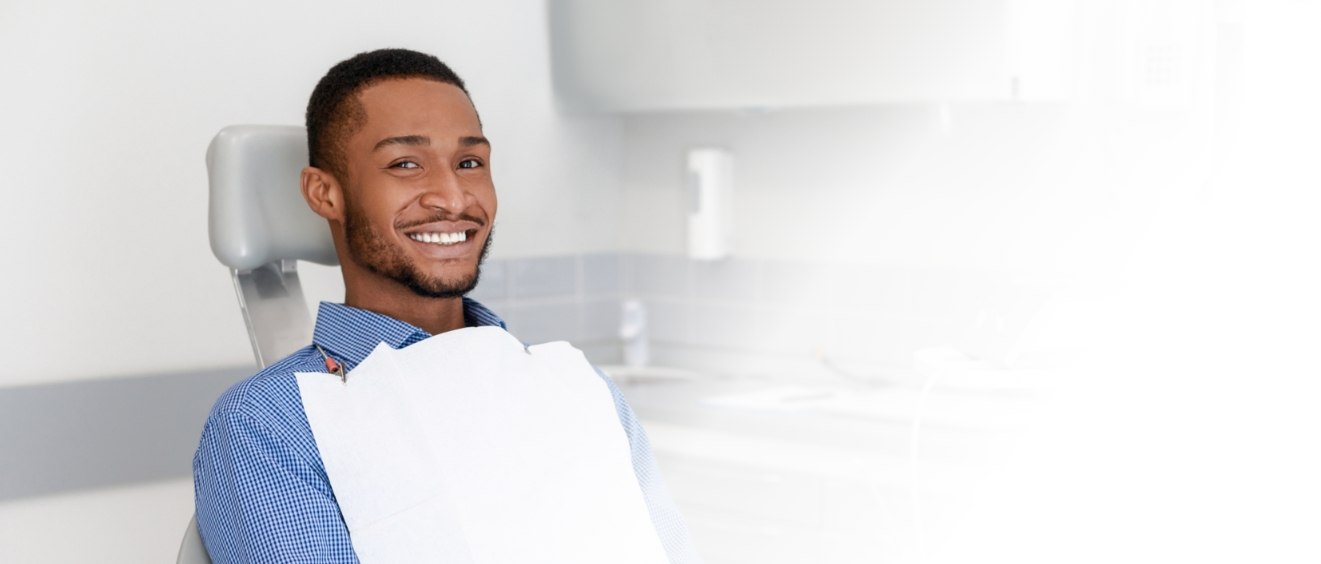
<point x="334" y="112"/>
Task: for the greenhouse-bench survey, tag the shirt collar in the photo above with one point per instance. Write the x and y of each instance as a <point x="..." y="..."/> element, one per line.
<point x="349" y="334"/>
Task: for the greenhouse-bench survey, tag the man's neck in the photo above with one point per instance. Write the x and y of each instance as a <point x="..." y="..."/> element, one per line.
<point x="433" y="315"/>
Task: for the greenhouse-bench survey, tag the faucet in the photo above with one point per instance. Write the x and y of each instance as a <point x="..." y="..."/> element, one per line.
<point x="633" y="331"/>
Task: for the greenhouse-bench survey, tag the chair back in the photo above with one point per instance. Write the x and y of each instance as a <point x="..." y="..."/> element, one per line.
<point x="260" y="227"/>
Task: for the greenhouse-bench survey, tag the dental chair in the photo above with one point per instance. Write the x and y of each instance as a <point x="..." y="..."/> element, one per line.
<point x="260" y="227"/>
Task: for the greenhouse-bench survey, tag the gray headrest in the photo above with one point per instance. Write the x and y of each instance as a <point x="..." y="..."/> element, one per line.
<point x="257" y="212"/>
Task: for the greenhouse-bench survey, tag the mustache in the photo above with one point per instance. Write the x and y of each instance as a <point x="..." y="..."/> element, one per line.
<point x="441" y="217"/>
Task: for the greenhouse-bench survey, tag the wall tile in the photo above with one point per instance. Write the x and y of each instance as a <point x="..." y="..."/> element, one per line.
<point x="785" y="283"/>
<point x="732" y="280"/>
<point x="728" y="326"/>
<point x="599" y="353"/>
<point x="500" y="307"/>
<point x="668" y="320"/>
<point x="602" y="275"/>
<point x="493" y="283"/>
<point x="661" y="276"/>
<point x="792" y="331"/>
<point x="884" y="339"/>
<point x="542" y="322"/>
<point x="873" y="289"/>
<point x="627" y="266"/>
<point x="866" y="338"/>
<point x="780" y="307"/>
<point x="543" y="277"/>
<point x="600" y="320"/>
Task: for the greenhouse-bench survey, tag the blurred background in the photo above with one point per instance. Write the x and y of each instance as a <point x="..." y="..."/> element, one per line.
<point x="887" y="281"/>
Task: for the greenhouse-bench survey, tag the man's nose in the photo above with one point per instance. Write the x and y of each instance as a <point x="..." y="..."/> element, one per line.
<point x="446" y="192"/>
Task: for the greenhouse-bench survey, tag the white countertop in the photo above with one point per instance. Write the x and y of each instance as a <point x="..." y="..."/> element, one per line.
<point x="788" y="470"/>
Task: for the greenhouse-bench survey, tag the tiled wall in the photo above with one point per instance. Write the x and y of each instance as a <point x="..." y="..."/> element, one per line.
<point x="571" y="297"/>
<point x="769" y="308"/>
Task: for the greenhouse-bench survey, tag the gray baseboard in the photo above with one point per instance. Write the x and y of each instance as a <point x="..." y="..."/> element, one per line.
<point x="93" y="434"/>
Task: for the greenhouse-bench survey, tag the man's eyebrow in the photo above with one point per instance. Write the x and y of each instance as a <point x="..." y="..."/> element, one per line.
<point x="402" y="140"/>
<point x="465" y="141"/>
<point x="472" y="140"/>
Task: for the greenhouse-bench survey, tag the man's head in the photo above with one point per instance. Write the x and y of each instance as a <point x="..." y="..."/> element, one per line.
<point x="334" y="111"/>
<point x="400" y="168"/>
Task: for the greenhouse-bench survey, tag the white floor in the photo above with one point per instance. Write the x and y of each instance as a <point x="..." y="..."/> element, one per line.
<point x="129" y="524"/>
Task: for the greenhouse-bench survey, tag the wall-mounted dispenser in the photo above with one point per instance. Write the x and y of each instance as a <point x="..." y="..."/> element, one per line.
<point x="711" y="202"/>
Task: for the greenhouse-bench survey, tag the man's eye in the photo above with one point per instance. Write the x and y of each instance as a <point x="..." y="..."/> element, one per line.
<point x="405" y="164"/>
<point x="470" y="163"/>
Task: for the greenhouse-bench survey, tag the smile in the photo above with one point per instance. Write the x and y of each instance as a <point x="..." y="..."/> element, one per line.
<point x="440" y="238"/>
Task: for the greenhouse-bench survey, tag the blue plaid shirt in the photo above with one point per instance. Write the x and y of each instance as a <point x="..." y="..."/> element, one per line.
<point x="261" y="489"/>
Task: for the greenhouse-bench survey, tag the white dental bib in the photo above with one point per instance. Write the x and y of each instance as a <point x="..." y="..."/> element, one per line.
<point x="469" y="448"/>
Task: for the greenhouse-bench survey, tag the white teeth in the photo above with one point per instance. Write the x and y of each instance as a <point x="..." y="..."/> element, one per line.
<point x="440" y="238"/>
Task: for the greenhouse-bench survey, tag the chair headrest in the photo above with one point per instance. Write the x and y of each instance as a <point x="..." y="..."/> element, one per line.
<point x="257" y="212"/>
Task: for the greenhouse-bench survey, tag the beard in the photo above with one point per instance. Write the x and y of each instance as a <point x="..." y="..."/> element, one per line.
<point x="373" y="252"/>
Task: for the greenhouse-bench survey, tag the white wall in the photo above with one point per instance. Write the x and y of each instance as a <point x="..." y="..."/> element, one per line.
<point x="107" y="112"/>
<point x="967" y="202"/>
<point x="996" y="186"/>
<point x="123" y="524"/>
<point x="1034" y="189"/>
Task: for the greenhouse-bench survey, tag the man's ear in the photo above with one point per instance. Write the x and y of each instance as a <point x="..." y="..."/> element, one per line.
<point x="323" y="193"/>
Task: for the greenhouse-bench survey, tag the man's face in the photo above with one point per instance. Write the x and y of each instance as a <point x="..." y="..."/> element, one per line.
<point x="419" y="200"/>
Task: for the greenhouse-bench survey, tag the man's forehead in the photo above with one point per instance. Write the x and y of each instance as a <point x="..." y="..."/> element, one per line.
<point x="403" y="107"/>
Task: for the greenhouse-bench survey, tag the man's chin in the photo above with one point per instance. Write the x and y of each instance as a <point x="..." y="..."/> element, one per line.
<point x="432" y="287"/>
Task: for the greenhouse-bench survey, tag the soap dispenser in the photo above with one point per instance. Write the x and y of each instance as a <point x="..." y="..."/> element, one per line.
<point x="711" y="203"/>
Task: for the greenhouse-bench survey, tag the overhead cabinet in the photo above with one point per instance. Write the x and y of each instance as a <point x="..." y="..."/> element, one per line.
<point x="649" y="55"/>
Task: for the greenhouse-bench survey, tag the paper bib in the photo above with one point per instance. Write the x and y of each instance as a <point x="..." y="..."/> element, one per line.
<point x="468" y="448"/>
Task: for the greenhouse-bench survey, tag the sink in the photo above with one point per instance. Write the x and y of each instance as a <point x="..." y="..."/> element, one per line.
<point x="623" y="374"/>
<point x="777" y="398"/>
<point x="905" y="404"/>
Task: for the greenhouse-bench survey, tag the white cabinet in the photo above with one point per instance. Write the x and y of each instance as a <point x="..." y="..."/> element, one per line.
<point x="647" y="55"/>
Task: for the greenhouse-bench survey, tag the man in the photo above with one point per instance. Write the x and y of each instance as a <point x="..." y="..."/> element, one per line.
<point x="400" y="169"/>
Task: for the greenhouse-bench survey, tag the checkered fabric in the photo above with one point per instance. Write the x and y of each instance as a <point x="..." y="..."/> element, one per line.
<point x="261" y="489"/>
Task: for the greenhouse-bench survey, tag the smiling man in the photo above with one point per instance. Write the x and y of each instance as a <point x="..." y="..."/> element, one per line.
<point x="401" y="171"/>
<point x="412" y="215"/>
